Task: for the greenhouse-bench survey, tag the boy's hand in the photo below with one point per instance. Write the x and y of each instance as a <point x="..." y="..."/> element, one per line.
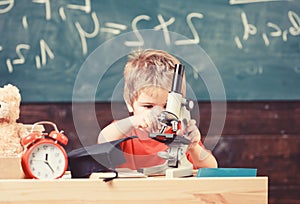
<point x="148" y="120"/>
<point x="191" y="132"/>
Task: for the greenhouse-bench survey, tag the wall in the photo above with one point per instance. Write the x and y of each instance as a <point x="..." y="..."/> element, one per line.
<point x="238" y="49"/>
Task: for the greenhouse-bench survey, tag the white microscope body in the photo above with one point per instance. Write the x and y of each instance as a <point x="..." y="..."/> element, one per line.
<point x="176" y="116"/>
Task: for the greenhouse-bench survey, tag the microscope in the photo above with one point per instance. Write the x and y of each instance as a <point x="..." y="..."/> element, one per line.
<point x="174" y="118"/>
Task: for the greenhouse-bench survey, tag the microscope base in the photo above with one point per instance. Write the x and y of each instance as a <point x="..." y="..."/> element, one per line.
<point x="179" y="172"/>
<point x="184" y="169"/>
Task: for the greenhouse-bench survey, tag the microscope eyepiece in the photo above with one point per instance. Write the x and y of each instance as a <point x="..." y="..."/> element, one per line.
<point x="177" y="78"/>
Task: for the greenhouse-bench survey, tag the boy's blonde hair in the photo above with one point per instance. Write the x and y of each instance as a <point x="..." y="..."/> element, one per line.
<point x="146" y="70"/>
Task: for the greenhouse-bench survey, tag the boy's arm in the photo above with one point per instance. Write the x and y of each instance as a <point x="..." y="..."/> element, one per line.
<point x="201" y="157"/>
<point x="119" y="129"/>
<point x="115" y="130"/>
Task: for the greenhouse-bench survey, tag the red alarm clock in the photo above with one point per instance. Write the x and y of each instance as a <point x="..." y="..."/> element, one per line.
<point x="43" y="156"/>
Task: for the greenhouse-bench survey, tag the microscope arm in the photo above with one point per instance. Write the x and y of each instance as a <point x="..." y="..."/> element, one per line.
<point x="176" y="111"/>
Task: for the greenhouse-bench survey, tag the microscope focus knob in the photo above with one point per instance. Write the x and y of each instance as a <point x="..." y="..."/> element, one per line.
<point x="189" y="105"/>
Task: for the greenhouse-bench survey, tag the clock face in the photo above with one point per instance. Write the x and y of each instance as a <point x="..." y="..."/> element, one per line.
<point x="47" y="161"/>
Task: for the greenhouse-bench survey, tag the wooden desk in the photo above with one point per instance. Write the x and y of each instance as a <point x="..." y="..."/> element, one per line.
<point x="136" y="190"/>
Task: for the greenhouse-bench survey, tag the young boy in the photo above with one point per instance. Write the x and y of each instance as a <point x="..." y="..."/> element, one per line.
<point x="148" y="78"/>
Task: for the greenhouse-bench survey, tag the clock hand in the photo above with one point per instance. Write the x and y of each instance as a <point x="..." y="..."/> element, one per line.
<point x="38" y="160"/>
<point x="46" y="162"/>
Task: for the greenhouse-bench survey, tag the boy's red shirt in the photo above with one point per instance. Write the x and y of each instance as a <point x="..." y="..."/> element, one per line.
<point x="142" y="152"/>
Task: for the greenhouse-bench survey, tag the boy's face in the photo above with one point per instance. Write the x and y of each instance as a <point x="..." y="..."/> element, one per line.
<point x="150" y="99"/>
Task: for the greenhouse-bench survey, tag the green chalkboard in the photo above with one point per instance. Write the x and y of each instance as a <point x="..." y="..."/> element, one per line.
<point x="57" y="50"/>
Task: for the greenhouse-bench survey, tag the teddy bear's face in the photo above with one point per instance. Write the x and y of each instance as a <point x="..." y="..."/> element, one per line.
<point x="9" y="104"/>
<point x="4" y="110"/>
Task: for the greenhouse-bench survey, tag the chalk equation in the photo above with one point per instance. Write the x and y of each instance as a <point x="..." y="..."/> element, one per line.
<point x="109" y="27"/>
<point x="192" y="25"/>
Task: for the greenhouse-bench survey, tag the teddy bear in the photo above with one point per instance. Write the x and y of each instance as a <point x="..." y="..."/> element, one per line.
<point x="10" y="130"/>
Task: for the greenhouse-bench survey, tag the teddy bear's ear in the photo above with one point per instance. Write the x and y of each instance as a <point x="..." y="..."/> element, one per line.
<point x="12" y="91"/>
<point x="11" y="88"/>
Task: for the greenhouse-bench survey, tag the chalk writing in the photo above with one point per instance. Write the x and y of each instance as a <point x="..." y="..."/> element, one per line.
<point x="114" y="28"/>
<point x="45" y="50"/>
<point x="232" y="2"/>
<point x="86" y="7"/>
<point x="196" y="39"/>
<point x="84" y="35"/>
<point x="62" y="14"/>
<point x="163" y="25"/>
<point x="161" y="22"/>
<point x="7" y="4"/>
<point x="134" y="27"/>
<point x="47" y="7"/>
<point x="276" y="30"/>
<point x="20" y="59"/>
<point x="253" y="43"/>
<point x="24" y="22"/>
<point x="295" y="21"/>
<point x="250" y="70"/>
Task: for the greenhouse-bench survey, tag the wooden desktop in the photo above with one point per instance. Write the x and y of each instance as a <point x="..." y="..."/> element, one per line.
<point x="136" y="190"/>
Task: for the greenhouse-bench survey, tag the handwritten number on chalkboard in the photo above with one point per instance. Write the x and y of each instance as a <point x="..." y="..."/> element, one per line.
<point x="45" y="49"/>
<point x="20" y="60"/>
<point x="196" y="39"/>
<point x="140" y="41"/>
<point x="47" y="7"/>
<point x="164" y="26"/>
<point x="86" y="7"/>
